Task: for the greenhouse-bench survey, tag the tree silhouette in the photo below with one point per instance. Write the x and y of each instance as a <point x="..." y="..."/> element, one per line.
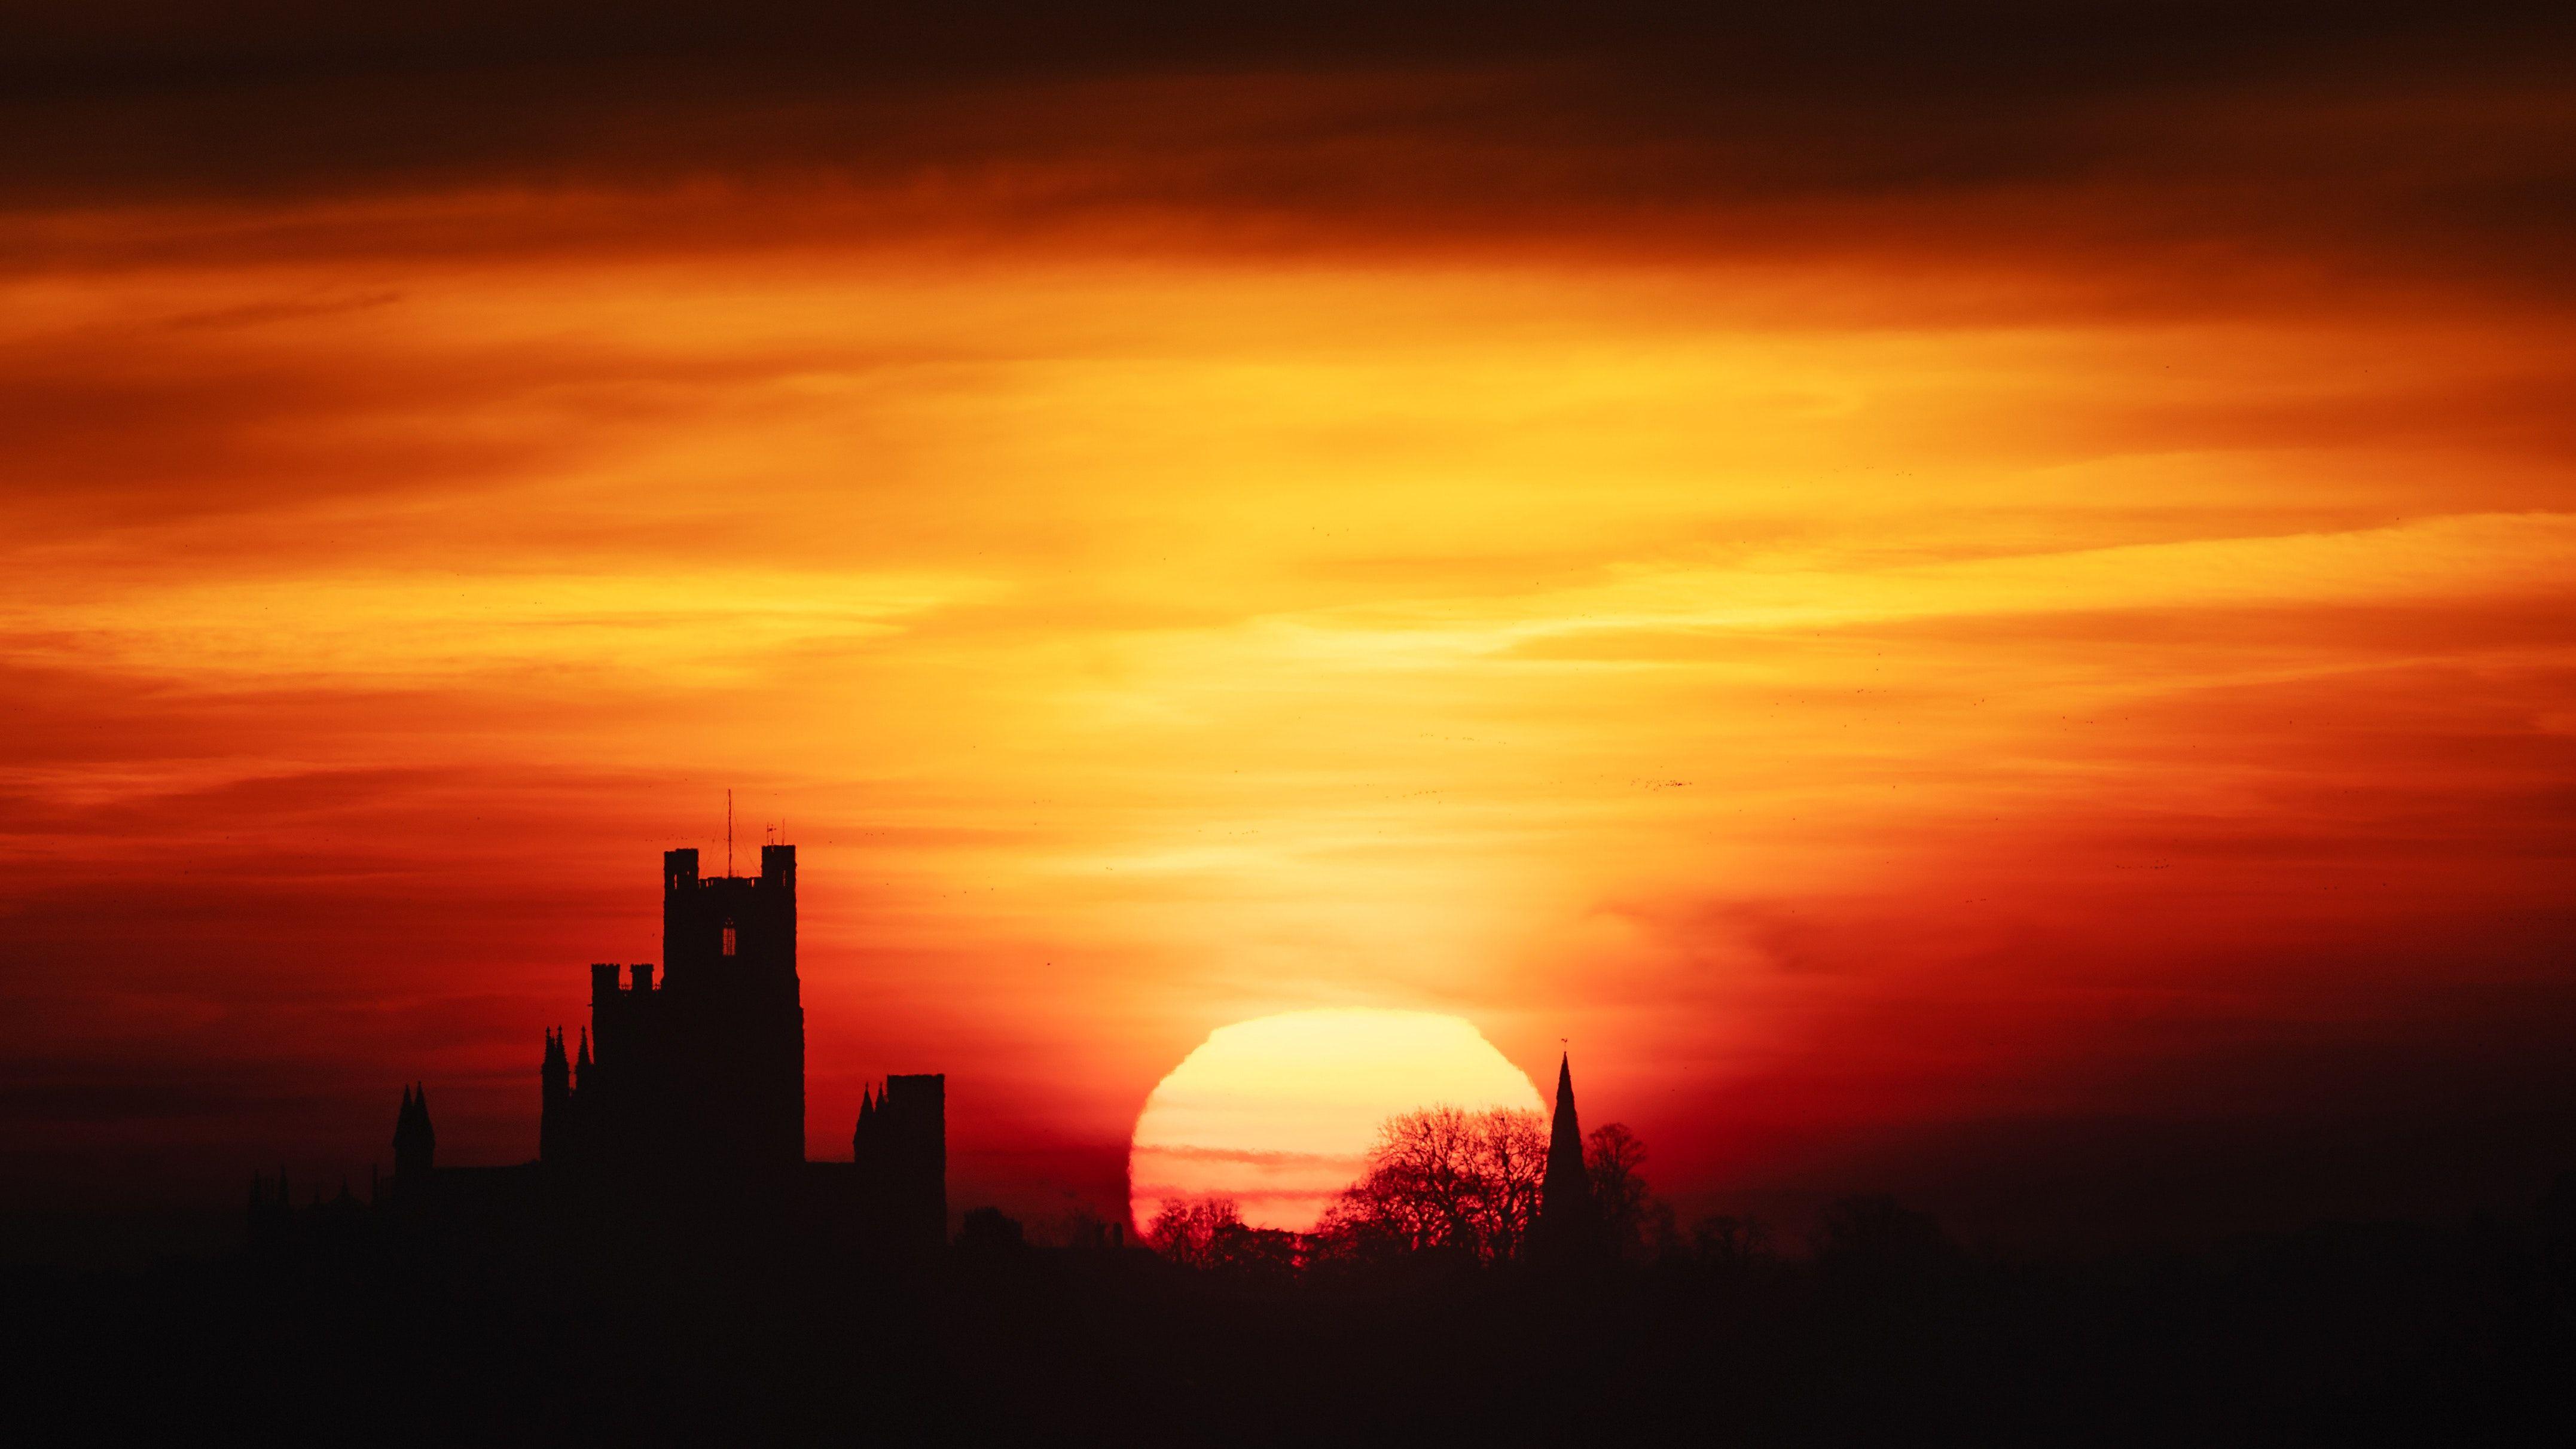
<point x="1445" y="1180"/>
<point x="1732" y="1245"/>
<point x="1876" y="1241"/>
<point x="1208" y="1234"/>
<point x="1612" y="1157"/>
<point x="1191" y="1231"/>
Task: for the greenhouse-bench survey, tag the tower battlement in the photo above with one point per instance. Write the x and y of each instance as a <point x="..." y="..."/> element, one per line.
<point x="685" y="1102"/>
<point x="704" y="1068"/>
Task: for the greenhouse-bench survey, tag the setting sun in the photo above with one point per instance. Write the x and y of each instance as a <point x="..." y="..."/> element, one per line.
<point x="1278" y="1113"/>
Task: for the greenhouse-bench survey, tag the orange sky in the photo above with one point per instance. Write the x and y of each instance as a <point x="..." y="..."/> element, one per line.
<point x="2008" y="667"/>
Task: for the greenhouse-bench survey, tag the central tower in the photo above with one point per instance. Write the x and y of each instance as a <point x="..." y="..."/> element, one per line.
<point x="733" y="1012"/>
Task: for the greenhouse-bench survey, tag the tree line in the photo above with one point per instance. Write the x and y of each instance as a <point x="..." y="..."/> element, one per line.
<point x="1444" y="1183"/>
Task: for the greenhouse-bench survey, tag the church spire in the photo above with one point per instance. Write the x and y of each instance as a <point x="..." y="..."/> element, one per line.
<point x="1568" y="1222"/>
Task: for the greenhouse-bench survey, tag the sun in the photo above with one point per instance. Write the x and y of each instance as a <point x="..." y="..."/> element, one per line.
<point x="1279" y="1112"/>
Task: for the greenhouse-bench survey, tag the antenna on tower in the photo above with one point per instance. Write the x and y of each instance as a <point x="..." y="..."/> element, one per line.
<point x="728" y="832"/>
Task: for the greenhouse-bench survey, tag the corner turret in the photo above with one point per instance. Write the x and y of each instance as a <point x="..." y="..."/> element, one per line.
<point x="554" y="1112"/>
<point x="901" y="1149"/>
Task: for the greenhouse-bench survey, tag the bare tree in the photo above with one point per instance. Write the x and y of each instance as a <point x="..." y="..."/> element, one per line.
<point x="1445" y="1180"/>
<point x="1191" y="1230"/>
<point x="1613" y="1157"/>
<point x="1511" y="1160"/>
<point x="1208" y="1234"/>
<point x="1875" y="1239"/>
<point x="1732" y="1245"/>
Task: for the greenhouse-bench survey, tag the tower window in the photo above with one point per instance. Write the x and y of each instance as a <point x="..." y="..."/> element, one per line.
<point x="728" y="938"/>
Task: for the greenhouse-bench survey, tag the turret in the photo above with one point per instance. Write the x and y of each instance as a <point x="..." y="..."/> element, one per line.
<point x="415" y="1140"/>
<point x="901" y="1147"/>
<point x="272" y="1212"/>
<point x="554" y="1112"/>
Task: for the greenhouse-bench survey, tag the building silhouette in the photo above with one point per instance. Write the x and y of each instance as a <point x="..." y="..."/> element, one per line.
<point x="703" y="1070"/>
<point x="900" y="1146"/>
<point x="683" y="1103"/>
<point x="1569" y="1221"/>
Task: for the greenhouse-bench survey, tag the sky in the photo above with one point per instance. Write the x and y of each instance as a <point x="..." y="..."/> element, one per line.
<point x="1967" y="600"/>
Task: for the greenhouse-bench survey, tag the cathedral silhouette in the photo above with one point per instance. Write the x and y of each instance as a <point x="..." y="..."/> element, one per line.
<point x="684" y="1102"/>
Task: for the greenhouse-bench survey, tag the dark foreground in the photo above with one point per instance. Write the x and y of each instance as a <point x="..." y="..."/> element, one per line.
<point x="2346" y="1335"/>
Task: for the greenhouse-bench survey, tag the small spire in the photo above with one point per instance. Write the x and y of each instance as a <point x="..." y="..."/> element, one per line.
<point x="1567" y="1222"/>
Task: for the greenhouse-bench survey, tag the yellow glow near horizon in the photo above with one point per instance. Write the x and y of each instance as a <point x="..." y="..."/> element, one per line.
<point x="1278" y="1113"/>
